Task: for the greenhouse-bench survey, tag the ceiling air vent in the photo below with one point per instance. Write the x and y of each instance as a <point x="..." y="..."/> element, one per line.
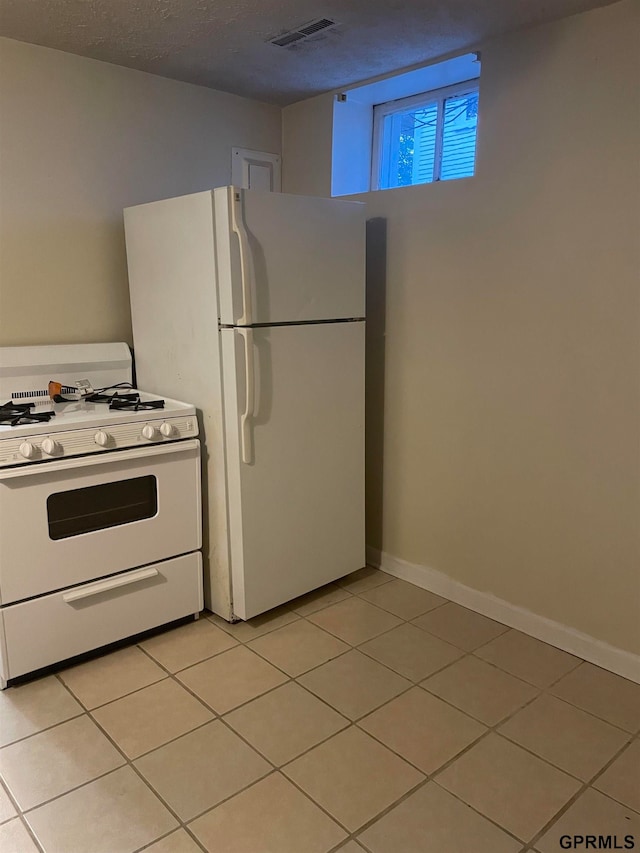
<point x="304" y="33"/>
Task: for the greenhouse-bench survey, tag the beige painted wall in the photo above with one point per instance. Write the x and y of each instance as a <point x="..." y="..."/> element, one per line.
<point x="503" y="414"/>
<point x="308" y="128"/>
<point x="80" y="140"/>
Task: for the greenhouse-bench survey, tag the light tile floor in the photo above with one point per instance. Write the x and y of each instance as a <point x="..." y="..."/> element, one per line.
<point x="370" y="715"/>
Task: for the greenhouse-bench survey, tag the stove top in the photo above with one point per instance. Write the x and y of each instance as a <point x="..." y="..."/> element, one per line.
<point x="104" y="409"/>
<point x="53" y="415"/>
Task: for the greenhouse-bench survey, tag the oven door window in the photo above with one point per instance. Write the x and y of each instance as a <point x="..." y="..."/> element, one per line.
<point x="79" y="511"/>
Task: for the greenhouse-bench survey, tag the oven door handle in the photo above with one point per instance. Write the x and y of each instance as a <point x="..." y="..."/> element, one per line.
<point x="112" y="583"/>
<point x="130" y="455"/>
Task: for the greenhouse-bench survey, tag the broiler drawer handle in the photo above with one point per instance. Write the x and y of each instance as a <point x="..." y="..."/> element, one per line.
<point x="110" y="583"/>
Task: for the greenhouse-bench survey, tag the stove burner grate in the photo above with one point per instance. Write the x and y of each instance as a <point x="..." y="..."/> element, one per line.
<point x="20" y="414"/>
<point x="129" y="402"/>
<point x="109" y="398"/>
<point x="136" y="405"/>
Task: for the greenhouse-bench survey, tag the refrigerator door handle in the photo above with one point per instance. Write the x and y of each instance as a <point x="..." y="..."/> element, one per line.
<point x="239" y="228"/>
<point x="249" y="377"/>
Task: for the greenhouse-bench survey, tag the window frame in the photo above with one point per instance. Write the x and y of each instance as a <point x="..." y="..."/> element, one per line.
<point x="402" y="105"/>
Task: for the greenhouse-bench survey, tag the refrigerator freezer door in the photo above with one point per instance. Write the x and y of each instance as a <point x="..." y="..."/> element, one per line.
<point x="296" y="506"/>
<point x="287" y="258"/>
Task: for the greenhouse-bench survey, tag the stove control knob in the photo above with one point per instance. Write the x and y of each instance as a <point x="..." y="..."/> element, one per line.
<point x="150" y="432"/>
<point x="167" y="430"/>
<point x="50" y="446"/>
<point x="27" y="450"/>
<point x="101" y="438"/>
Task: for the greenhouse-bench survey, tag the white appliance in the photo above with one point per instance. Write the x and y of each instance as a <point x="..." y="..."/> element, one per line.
<point x="100" y="507"/>
<point x="252" y="304"/>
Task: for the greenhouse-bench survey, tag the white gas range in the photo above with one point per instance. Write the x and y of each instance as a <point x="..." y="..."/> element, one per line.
<point x="100" y="506"/>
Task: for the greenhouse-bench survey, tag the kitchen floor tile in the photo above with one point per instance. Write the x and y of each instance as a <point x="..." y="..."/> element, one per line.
<point x="28" y="708"/>
<point x="402" y="599"/>
<point x="271" y="816"/>
<point x="527" y="658"/>
<point x="178" y="842"/>
<point x="117" y="813"/>
<point x="298" y="647"/>
<point x="231" y="679"/>
<point x="511" y="787"/>
<point x="152" y="716"/>
<point x="363" y="579"/>
<point x="591" y="814"/>
<point x="481" y="690"/>
<point x="256" y="627"/>
<point x="111" y="676"/>
<point x="181" y="647"/>
<point x="411" y="651"/>
<point x="53" y="762"/>
<point x="422" y="729"/>
<point x="285" y="722"/>
<point x="7" y="809"/>
<point x="14" y="838"/>
<point x="603" y="694"/>
<point x="318" y="599"/>
<point x="353" y="777"/>
<point x="565" y="736"/>
<point x="622" y="779"/>
<point x="354" y="620"/>
<point x="200" y="769"/>
<point x="432" y="821"/>
<point x="459" y="626"/>
<point x="354" y="684"/>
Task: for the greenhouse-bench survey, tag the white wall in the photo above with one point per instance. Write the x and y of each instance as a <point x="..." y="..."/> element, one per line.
<point x="308" y="129"/>
<point x="351" y="147"/>
<point x="503" y="373"/>
<point x="80" y="140"/>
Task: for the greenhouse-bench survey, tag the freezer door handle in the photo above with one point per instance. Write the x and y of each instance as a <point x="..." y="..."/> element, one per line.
<point x="239" y="228"/>
<point x="249" y="379"/>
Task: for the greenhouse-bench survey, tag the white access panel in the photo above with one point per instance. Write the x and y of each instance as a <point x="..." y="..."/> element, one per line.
<point x="287" y="258"/>
<point x="296" y="508"/>
<point x="255" y="170"/>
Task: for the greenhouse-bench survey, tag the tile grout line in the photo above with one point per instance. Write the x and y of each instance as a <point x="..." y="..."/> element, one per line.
<point x="75" y="716"/>
<point x="19" y="815"/>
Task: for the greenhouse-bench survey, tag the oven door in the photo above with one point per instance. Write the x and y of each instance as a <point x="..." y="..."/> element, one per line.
<point x="65" y="522"/>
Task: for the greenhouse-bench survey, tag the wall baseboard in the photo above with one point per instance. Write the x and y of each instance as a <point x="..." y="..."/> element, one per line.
<point x="556" y="634"/>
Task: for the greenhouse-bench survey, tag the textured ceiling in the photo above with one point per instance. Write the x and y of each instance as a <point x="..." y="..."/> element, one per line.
<point x="223" y="43"/>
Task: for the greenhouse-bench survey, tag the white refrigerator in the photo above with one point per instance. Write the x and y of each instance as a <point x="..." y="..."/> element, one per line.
<point x="251" y="306"/>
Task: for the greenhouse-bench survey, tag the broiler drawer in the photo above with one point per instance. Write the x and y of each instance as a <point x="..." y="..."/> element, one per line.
<point x="57" y="626"/>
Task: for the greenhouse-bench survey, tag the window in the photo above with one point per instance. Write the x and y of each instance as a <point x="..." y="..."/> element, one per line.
<point x="425" y="117"/>
<point x="424" y="138"/>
